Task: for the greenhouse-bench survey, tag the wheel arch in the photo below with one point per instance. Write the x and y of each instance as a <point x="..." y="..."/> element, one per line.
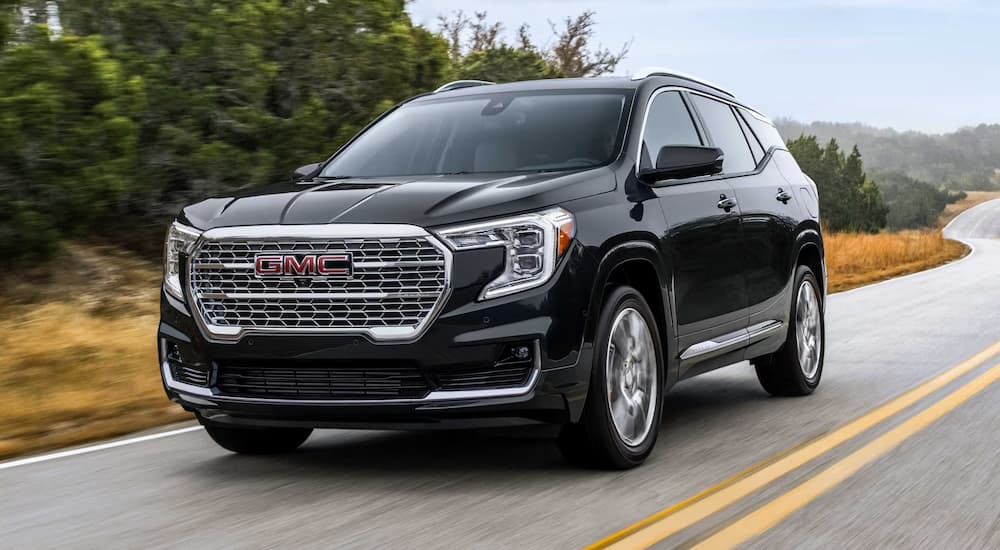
<point x="809" y="252"/>
<point x="638" y="264"/>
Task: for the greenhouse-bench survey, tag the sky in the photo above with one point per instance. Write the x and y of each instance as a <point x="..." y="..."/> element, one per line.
<point x="932" y="66"/>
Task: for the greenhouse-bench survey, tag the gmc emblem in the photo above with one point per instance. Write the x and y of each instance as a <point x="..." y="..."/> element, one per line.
<point x="303" y="265"/>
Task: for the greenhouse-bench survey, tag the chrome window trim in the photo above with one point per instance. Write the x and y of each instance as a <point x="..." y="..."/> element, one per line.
<point x="378" y="335"/>
<point x="432" y="397"/>
<point x="656" y="93"/>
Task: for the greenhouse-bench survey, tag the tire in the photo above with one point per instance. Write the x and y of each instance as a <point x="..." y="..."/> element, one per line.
<point x="787" y="372"/>
<point x="622" y="439"/>
<point x="258" y="441"/>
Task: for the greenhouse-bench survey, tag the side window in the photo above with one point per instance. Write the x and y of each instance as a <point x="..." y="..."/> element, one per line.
<point x="669" y="122"/>
<point x="765" y="131"/>
<point x="755" y="148"/>
<point x="720" y="120"/>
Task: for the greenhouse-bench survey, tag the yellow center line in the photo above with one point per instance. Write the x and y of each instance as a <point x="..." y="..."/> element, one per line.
<point x="722" y="495"/>
<point x="770" y="514"/>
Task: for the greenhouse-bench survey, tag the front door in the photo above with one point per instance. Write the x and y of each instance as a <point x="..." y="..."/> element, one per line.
<point x="703" y="236"/>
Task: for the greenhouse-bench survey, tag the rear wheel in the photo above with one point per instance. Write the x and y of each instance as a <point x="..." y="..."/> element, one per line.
<point x="258" y="441"/>
<point x="797" y="367"/>
<point x="621" y="417"/>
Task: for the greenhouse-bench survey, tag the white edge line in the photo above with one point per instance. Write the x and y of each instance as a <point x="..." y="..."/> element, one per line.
<point x="94" y="448"/>
<point x="953" y="220"/>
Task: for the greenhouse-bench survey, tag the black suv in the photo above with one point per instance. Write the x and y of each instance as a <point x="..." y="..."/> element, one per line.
<point x="556" y="251"/>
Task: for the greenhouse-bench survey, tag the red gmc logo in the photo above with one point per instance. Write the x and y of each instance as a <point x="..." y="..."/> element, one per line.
<point x="303" y="265"/>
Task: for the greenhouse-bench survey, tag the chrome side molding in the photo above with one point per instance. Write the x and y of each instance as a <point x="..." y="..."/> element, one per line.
<point x="739" y="339"/>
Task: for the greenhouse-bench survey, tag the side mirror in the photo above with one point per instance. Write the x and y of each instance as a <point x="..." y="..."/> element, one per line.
<point x="684" y="161"/>
<point x="307" y="171"/>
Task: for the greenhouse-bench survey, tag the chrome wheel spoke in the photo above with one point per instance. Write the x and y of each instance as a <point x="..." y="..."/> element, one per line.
<point x="631" y="377"/>
<point x="808" y="329"/>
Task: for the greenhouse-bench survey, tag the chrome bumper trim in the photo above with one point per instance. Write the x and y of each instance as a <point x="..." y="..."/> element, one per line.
<point x="432" y="397"/>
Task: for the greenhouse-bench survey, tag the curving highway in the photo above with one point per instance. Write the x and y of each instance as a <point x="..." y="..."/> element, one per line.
<point x="917" y="471"/>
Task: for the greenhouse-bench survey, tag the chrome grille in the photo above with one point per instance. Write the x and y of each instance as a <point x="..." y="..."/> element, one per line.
<point x="396" y="286"/>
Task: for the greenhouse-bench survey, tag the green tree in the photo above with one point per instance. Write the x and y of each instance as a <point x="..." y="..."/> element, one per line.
<point x="242" y="92"/>
<point x="965" y="159"/>
<point x="913" y="203"/>
<point x="68" y="139"/>
<point x="137" y="107"/>
<point x="478" y="50"/>
<point x="849" y="201"/>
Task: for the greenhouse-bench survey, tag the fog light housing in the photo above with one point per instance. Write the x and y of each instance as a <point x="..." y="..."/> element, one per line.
<point x="190" y="373"/>
<point x="520" y="352"/>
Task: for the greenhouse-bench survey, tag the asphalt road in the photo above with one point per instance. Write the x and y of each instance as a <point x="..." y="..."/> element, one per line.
<point x="938" y="489"/>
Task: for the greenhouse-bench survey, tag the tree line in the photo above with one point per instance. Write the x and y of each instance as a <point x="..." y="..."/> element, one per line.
<point x="967" y="159"/>
<point x="116" y="113"/>
<point x="852" y="200"/>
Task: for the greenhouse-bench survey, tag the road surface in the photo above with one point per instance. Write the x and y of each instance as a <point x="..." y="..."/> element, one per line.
<point x="936" y="487"/>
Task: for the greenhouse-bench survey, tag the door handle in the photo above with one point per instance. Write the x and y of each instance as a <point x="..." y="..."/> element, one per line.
<point x="725" y="203"/>
<point x="783" y="196"/>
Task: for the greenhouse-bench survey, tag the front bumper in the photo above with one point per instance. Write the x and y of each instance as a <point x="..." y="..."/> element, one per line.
<point x="466" y="333"/>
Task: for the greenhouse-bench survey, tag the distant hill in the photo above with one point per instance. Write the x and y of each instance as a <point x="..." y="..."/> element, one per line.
<point x="966" y="159"/>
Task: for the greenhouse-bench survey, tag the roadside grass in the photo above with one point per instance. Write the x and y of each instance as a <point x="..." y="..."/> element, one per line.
<point x="857" y="259"/>
<point x="78" y="349"/>
<point x="78" y="352"/>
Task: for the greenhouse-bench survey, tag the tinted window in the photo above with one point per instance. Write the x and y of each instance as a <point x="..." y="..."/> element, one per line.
<point x="765" y="131"/>
<point x="668" y="123"/>
<point x="504" y="132"/>
<point x="755" y="148"/>
<point x="726" y="133"/>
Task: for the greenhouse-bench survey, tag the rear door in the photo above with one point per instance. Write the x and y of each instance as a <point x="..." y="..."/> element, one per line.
<point x="703" y="237"/>
<point x="770" y="219"/>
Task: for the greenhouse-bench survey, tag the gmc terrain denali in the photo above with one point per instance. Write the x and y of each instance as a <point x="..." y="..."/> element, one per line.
<point x="558" y="251"/>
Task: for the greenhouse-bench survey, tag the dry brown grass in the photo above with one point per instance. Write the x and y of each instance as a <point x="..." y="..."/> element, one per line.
<point x="78" y="353"/>
<point x="854" y="259"/>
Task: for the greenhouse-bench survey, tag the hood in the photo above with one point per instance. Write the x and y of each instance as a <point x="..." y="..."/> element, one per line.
<point x="425" y="201"/>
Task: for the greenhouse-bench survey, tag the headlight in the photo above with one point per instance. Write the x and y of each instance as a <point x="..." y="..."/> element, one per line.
<point x="180" y="239"/>
<point x="533" y="243"/>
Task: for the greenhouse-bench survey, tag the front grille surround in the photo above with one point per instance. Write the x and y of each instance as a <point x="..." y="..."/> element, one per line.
<point x="402" y="278"/>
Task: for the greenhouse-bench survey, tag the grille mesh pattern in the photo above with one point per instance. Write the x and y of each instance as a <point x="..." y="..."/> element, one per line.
<point x="396" y="283"/>
<point x="305" y="380"/>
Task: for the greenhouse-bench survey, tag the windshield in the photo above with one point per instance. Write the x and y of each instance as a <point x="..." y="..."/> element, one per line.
<point x="509" y="132"/>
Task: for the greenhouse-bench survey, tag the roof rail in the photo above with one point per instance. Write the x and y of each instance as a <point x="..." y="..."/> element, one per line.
<point x="646" y="72"/>
<point x="459" y="84"/>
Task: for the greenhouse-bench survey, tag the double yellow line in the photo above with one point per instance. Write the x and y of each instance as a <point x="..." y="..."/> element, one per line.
<point x="687" y="513"/>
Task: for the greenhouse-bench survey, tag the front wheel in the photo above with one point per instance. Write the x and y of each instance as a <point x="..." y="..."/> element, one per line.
<point x="621" y="417"/>
<point x="797" y="367"/>
<point x="258" y="441"/>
